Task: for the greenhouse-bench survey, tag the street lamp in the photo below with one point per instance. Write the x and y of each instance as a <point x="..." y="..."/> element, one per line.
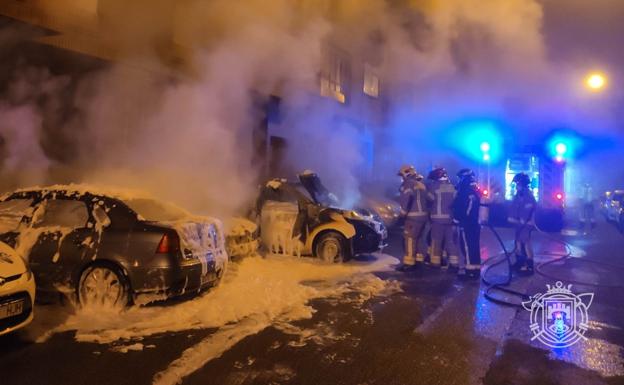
<point x="595" y="81"/>
<point x="485" y="150"/>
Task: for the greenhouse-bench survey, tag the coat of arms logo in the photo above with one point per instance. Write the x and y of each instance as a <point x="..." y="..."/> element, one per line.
<point x="559" y="318"/>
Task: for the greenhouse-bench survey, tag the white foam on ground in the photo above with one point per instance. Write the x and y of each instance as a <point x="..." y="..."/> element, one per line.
<point x="256" y="293"/>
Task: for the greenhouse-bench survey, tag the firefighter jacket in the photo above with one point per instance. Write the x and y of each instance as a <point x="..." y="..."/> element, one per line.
<point x="413" y="199"/>
<point x="466" y="205"/>
<point x="441" y="195"/>
<point x="523" y="207"/>
<point x="587" y="195"/>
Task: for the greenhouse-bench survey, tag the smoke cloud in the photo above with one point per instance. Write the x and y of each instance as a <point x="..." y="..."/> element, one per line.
<point x="174" y="112"/>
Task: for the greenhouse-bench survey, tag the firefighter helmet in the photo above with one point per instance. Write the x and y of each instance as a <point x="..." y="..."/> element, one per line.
<point x="438" y="173"/>
<point x="466" y="176"/>
<point x="522" y="179"/>
<point x="407" y="171"/>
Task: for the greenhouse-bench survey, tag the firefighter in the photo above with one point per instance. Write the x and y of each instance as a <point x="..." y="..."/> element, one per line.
<point x="414" y="209"/>
<point x="441" y="194"/>
<point x="587" y="208"/>
<point x="466" y="215"/>
<point x="522" y="216"/>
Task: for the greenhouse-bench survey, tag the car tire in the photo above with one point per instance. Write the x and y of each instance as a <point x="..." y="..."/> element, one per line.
<point x="103" y="285"/>
<point x="331" y="247"/>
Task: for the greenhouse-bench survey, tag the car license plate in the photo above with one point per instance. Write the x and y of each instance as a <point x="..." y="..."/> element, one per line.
<point x="11" y="309"/>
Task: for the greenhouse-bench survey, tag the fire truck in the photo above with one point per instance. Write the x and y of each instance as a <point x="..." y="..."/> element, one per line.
<point x="547" y="177"/>
<point x="547" y="183"/>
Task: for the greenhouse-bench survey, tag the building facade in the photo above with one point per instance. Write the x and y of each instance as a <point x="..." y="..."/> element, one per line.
<point x="75" y="37"/>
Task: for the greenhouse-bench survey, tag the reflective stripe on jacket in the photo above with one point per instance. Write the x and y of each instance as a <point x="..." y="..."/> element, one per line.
<point x="413" y="199"/>
<point x="441" y="196"/>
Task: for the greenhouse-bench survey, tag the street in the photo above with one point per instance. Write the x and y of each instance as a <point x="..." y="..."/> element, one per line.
<point x="433" y="330"/>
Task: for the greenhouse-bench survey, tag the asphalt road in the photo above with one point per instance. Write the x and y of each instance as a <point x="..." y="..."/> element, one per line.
<point x="436" y="330"/>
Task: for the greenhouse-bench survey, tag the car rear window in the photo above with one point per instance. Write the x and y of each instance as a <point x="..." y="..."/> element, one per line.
<point x="12" y="212"/>
<point x="63" y="213"/>
<point x="153" y="210"/>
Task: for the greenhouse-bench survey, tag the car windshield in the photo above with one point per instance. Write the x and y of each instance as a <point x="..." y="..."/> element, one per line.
<point x="11" y="213"/>
<point x="320" y="194"/>
<point x="327" y="198"/>
<point x="153" y="210"/>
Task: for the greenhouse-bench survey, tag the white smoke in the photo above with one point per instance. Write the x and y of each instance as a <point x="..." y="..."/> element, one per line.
<point x="175" y="111"/>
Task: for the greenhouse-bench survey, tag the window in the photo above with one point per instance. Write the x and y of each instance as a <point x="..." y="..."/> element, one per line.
<point x="120" y="215"/>
<point x="12" y="212"/>
<point x="63" y="213"/>
<point x="334" y="75"/>
<point x="101" y="218"/>
<point x="371" y="82"/>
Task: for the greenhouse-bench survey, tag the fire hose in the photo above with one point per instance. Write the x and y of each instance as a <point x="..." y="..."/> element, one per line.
<point x="506" y="256"/>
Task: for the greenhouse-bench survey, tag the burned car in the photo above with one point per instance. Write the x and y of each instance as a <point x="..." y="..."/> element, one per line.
<point x="302" y="218"/>
<point x="111" y="248"/>
<point x="384" y="209"/>
<point x="242" y="238"/>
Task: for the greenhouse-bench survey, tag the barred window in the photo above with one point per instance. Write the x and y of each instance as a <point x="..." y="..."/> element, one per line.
<point x="334" y="75"/>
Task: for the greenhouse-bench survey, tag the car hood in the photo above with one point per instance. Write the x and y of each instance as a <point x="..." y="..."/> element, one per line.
<point x="10" y="262"/>
<point x="355" y="214"/>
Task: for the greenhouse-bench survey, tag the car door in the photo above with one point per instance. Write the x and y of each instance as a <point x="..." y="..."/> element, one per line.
<point x="63" y="241"/>
<point x="278" y="217"/>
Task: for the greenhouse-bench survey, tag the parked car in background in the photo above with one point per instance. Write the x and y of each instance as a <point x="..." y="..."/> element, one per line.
<point x="111" y="247"/>
<point x="302" y="218"/>
<point x="17" y="291"/>
<point x="242" y="237"/>
<point x="613" y="207"/>
<point x="384" y="209"/>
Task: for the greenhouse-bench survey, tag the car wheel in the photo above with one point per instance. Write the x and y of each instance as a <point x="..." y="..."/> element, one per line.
<point x="102" y="285"/>
<point x="331" y="247"/>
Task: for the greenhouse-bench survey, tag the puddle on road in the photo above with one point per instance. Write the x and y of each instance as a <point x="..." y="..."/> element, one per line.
<point x="594" y="354"/>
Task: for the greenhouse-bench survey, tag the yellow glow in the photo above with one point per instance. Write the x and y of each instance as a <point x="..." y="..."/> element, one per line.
<point x="595" y="81"/>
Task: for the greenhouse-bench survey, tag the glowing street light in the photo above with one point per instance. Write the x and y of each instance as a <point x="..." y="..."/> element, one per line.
<point x="485" y="149"/>
<point x="561" y="148"/>
<point x="595" y="81"/>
